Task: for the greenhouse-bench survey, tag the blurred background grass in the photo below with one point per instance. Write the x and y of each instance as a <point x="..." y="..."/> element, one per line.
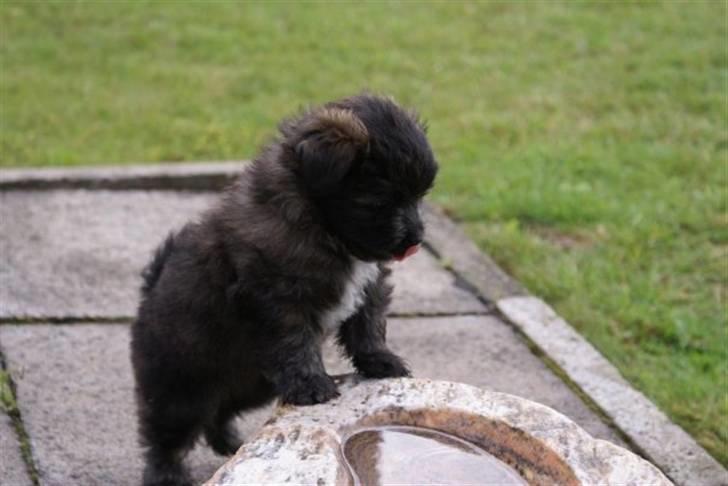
<point x="583" y="145"/>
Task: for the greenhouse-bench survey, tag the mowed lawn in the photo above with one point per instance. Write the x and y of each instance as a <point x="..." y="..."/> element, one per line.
<point x="582" y="145"/>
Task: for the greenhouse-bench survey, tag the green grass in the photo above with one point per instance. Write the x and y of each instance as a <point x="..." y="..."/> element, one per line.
<point x="583" y="145"/>
<point x="7" y="398"/>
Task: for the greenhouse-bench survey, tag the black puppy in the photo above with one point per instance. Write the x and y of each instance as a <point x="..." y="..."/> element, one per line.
<point x="235" y="307"/>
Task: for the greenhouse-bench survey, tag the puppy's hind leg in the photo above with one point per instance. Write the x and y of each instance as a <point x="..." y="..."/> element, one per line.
<point x="221" y="433"/>
<point x="168" y="432"/>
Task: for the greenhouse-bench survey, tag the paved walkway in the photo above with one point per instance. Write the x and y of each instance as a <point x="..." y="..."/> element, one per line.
<point x="69" y="279"/>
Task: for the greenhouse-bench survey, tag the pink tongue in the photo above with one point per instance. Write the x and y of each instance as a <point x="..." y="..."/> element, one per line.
<point x="407" y="253"/>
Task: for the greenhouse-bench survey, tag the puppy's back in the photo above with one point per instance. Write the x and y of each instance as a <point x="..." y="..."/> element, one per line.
<point x="151" y="273"/>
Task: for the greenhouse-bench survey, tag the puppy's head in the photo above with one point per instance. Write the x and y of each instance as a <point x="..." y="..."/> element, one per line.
<point x="366" y="164"/>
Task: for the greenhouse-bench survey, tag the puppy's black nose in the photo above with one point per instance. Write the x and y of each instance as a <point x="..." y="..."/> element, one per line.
<point x="415" y="228"/>
<point x="413" y="238"/>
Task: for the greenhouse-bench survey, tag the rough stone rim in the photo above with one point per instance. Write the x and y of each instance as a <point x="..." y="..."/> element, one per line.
<point x="506" y="443"/>
<point x="587" y="457"/>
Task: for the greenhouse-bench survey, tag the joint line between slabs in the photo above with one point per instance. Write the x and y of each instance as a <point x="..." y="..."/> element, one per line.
<point x="13" y="411"/>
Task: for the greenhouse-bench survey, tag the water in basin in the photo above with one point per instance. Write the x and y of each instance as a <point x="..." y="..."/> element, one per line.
<point x="387" y="455"/>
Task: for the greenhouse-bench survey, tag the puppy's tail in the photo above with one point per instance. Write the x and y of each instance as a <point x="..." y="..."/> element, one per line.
<point x="153" y="270"/>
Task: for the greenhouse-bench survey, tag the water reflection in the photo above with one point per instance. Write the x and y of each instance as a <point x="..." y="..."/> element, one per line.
<point x="411" y="455"/>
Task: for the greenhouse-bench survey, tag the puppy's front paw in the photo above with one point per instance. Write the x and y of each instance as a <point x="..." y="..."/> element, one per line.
<point x="313" y="390"/>
<point x="381" y="364"/>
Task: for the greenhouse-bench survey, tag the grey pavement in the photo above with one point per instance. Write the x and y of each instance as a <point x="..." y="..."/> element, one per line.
<point x="77" y="254"/>
<point x="13" y="470"/>
<point x="71" y="254"/>
<point x="75" y="391"/>
<point x="75" y="388"/>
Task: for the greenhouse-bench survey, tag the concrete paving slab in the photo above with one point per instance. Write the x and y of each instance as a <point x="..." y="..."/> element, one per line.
<point x="77" y="254"/>
<point x="422" y="287"/>
<point x="75" y="392"/>
<point x="75" y="388"/>
<point x="444" y="237"/>
<point x="13" y="471"/>
<point x="451" y="244"/>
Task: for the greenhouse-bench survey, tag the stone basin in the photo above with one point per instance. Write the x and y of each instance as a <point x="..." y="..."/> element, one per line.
<point x="420" y="431"/>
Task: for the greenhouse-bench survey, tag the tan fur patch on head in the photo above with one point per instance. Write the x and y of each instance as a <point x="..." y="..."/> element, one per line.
<point x="344" y="122"/>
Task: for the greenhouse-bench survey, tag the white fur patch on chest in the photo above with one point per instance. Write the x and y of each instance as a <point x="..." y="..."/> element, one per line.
<point x="362" y="274"/>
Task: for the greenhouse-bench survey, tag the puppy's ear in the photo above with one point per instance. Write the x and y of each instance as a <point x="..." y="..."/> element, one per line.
<point x="330" y="140"/>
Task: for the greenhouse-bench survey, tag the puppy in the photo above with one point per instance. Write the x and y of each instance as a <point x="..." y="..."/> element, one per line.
<point x="235" y="306"/>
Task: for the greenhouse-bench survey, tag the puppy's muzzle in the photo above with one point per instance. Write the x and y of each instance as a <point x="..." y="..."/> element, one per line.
<point x="411" y="250"/>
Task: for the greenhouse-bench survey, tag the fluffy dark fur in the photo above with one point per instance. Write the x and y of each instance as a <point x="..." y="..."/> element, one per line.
<point x="235" y="306"/>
